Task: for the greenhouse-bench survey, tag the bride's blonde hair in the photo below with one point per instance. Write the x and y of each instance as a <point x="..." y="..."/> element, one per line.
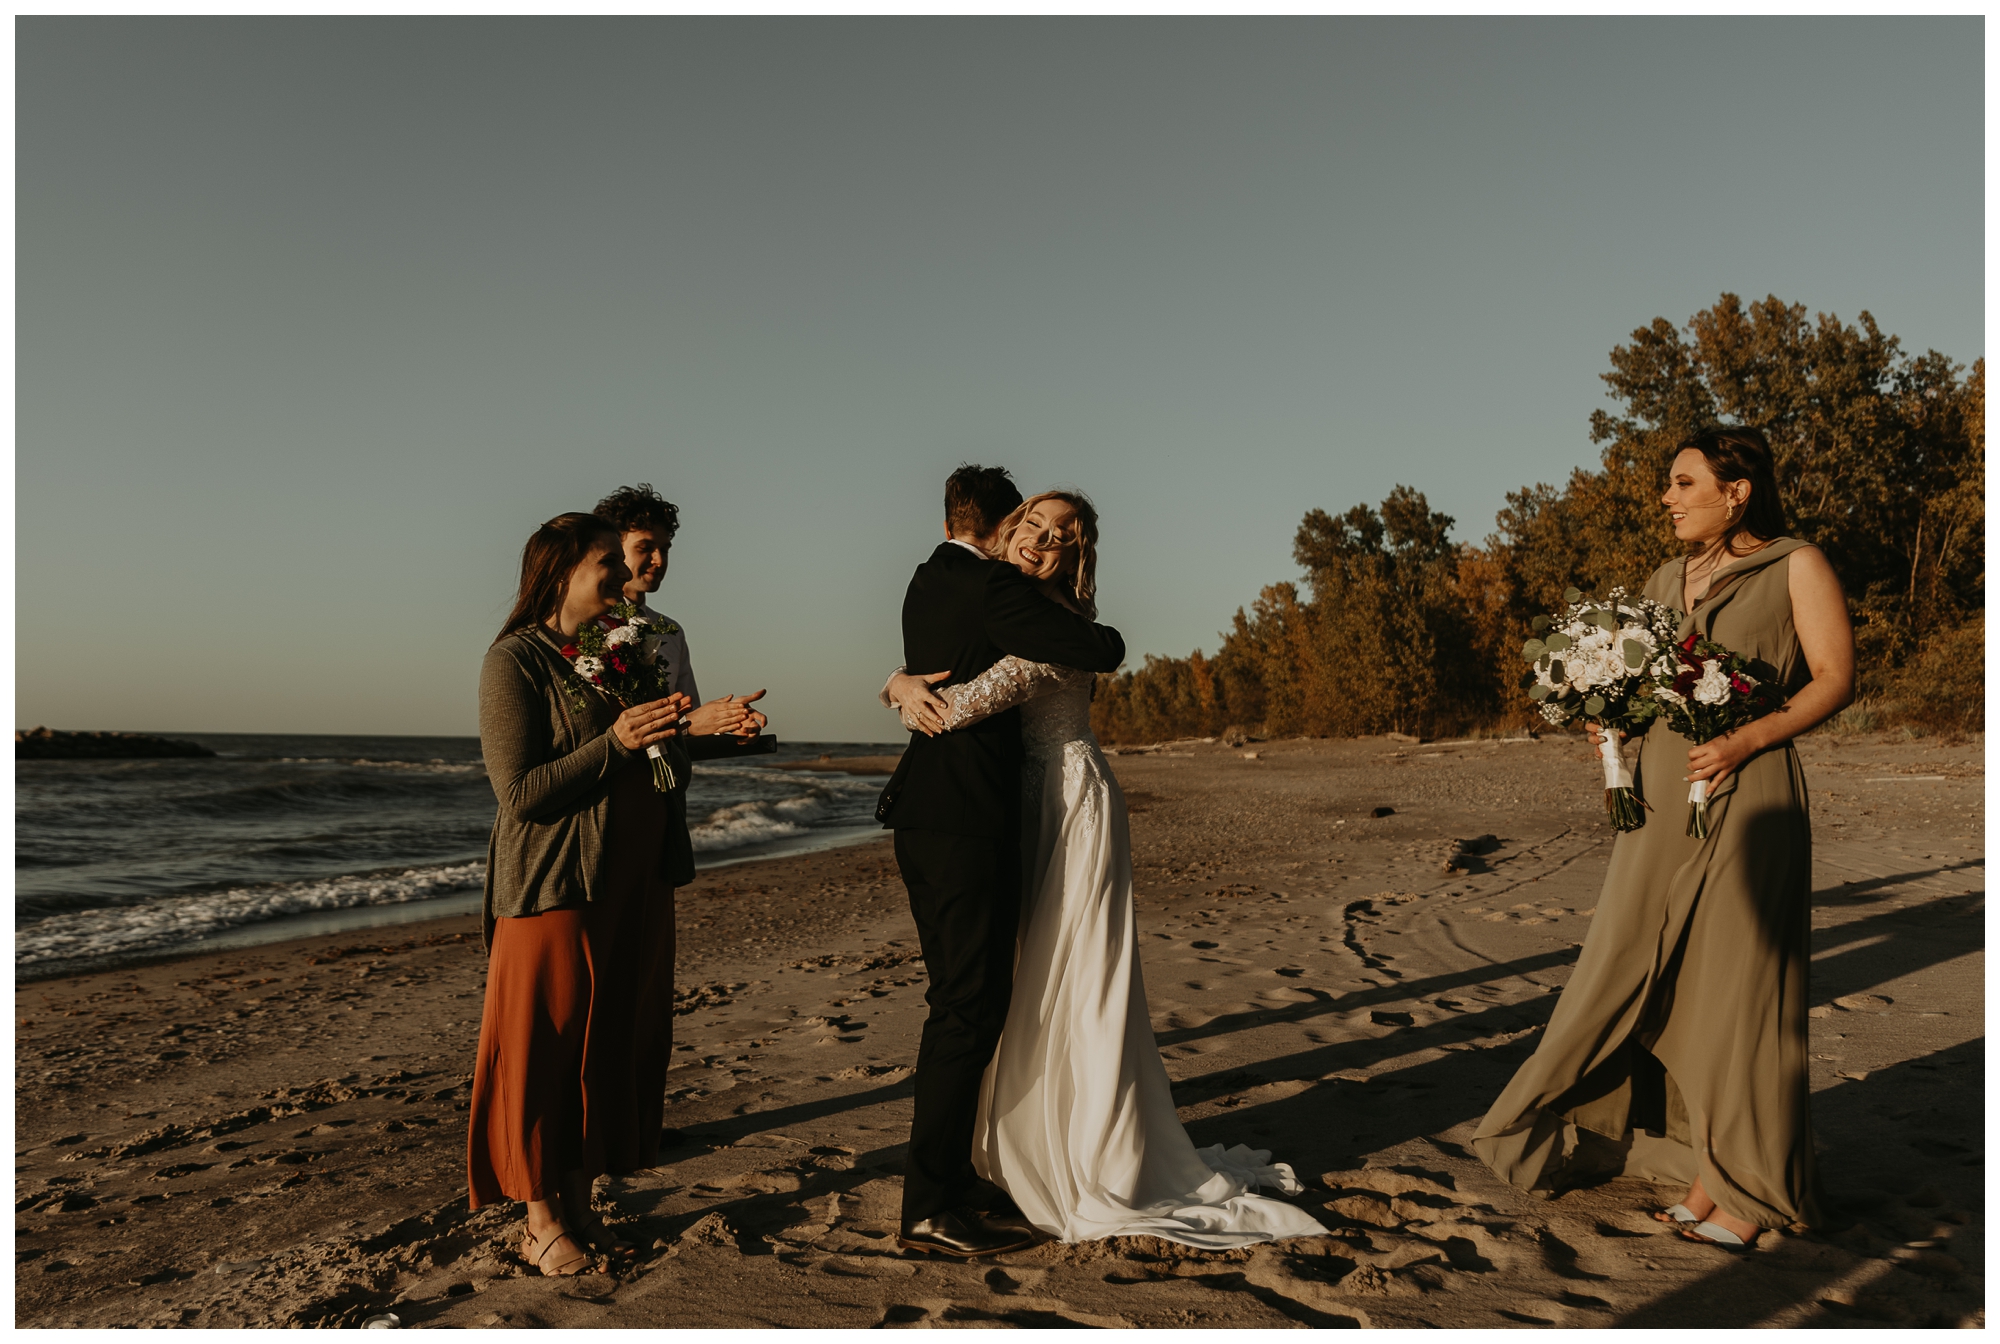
<point x="1083" y="584"/>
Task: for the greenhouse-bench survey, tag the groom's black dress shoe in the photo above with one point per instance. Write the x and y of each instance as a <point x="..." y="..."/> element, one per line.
<point x="999" y="1206"/>
<point x="961" y="1234"/>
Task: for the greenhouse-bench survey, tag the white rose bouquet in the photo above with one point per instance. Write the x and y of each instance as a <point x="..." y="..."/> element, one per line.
<point x="1593" y="660"/>
<point x="1706" y="691"/>
<point x="619" y="656"/>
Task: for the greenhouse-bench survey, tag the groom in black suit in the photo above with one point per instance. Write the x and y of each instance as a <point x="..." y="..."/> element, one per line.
<point x="955" y="805"/>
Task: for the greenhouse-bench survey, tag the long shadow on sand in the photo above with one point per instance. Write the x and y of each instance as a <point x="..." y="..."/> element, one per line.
<point x="1428" y="1098"/>
<point x="1832" y="976"/>
<point x="1891" y="1133"/>
<point x="1337" y="1118"/>
<point x="730" y="1128"/>
<point x="1889" y="945"/>
<point x="1333" y="1119"/>
<point x="1869" y="1159"/>
<point x="1851" y="889"/>
<point x="1348" y="1003"/>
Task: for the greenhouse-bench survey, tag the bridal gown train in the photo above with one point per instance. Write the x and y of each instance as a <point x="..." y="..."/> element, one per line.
<point x="1076" y="1116"/>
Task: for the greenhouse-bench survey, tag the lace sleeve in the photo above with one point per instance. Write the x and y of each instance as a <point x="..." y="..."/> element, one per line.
<point x="1000" y="687"/>
<point x="883" y="694"/>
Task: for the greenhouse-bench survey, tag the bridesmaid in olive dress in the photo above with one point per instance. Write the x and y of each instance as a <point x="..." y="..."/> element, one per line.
<point x="1682" y="1035"/>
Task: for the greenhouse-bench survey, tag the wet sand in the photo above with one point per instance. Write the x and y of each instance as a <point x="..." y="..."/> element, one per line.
<point x="276" y="1136"/>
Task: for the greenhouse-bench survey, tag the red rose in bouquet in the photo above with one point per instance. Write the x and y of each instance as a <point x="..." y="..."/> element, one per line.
<point x="1705" y="692"/>
<point x="618" y="656"/>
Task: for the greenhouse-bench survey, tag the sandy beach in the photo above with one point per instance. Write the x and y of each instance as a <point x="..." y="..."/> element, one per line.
<point x="1350" y="946"/>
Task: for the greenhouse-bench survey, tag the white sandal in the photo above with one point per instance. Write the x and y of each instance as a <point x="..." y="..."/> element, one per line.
<point x="1679" y="1214"/>
<point x="1719" y="1236"/>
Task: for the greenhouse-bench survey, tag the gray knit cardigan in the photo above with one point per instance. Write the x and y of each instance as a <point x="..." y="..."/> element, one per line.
<point x="552" y="764"/>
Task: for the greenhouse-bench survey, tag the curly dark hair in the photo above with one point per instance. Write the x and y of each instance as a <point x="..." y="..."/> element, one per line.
<point x="632" y="507"/>
<point x="977" y="498"/>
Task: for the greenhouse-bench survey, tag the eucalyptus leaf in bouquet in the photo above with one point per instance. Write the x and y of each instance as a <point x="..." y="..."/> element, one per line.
<point x="1593" y="660"/>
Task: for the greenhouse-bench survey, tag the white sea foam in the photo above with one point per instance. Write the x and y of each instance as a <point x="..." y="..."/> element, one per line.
<point x="134" y="930"/>
<point x="830" y="808"/>
<point x="430" y="767"/>
<point x="824" y="801"/>
<point x="750" y="823"/>
<point x="812" y="781"/>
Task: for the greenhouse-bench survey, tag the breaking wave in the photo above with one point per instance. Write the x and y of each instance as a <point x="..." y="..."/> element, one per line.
<point x="127" y="860"/>
<point x="118" y="932"/>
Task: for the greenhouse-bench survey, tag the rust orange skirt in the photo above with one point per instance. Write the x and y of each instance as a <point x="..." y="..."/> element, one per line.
<point x="578" y="1025"/>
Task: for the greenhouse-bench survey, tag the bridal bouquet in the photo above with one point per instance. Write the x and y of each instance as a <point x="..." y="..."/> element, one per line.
<point x="619" y="655"/>
<point x="1594" y="660"/>
<point x="1706" y="691"/>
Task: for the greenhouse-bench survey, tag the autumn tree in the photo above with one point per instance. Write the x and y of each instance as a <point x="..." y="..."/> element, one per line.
<point x="1881" y="460"/>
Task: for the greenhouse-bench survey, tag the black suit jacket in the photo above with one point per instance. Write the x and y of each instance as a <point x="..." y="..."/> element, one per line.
<point x="965" y="613"/>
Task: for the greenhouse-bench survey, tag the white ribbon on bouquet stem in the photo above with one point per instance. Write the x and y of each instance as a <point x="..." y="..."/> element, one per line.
<point x="665" y="766"/>
<point x="1617" y="774"/>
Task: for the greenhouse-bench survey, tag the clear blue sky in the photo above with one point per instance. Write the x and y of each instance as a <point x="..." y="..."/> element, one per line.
<point x="318" y="318"/>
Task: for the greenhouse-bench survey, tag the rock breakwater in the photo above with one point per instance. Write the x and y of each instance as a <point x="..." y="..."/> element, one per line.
<point x="49" y="744"/>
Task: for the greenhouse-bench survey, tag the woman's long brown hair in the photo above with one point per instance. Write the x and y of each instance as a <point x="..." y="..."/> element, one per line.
<point x="550" y="557"/>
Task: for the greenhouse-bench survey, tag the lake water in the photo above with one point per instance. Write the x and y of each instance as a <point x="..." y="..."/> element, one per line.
<point x="280" y="837"/>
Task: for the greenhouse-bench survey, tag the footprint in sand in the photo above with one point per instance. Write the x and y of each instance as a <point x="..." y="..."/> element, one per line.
<point x="869" y="1267"/>
<point x="884" y="1073"/>
<point x="1024" y="1312"/>
<point x="822" y="1213"/>
<point x="1291" y="995"/>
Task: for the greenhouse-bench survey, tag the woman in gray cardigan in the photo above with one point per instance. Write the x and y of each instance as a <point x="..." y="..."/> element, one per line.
<point x="581" y="870"/>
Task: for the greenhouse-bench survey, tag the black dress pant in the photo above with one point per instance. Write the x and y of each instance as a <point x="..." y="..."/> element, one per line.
<point x="965" y="891"/>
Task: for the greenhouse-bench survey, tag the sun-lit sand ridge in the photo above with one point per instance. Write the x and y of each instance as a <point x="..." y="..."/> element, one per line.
<point x="276" y="1137"/>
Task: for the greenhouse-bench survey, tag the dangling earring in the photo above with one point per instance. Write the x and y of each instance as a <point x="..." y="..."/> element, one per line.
<point x="1730" y="516"/>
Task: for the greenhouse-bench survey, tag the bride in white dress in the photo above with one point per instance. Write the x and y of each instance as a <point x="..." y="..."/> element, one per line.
<point x="1076" y="1116"/>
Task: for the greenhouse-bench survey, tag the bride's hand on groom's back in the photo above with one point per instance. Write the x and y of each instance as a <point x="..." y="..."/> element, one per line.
<point x="652" y="723"/>
<point x="923" y="709"/>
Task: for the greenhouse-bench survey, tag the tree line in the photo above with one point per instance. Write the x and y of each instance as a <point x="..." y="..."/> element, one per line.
<point x="1881" y="459"/>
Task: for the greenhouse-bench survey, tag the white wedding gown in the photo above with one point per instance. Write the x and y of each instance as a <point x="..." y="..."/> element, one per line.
<point x="1076" y="1117"/>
